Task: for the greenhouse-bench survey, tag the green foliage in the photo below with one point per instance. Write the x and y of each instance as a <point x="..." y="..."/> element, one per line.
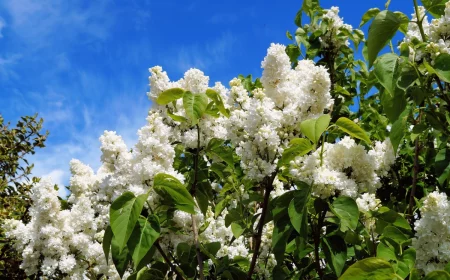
<point x="16" y="145"/>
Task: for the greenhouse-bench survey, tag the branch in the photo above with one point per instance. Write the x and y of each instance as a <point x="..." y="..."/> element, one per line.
<point x="419" y="21"/>
<point x="257" y="236"/>
<point x="415" y="174"/>
<point x="167" y="260"/>
<point x="194" y="224"/>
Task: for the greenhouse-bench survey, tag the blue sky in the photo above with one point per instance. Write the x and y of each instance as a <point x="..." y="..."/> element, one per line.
<point x="83" y="65"/>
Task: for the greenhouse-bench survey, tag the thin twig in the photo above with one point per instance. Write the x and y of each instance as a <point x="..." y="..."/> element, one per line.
<point x="257" y="236"/>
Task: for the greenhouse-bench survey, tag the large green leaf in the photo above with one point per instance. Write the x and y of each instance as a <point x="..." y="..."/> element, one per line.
<point x="386" y="71"/>
<point x="346" y="209"/>
<point x="297" y="147"/>
<point x="313" y="128"/>
<point x="169" y="95"/>
<point x="164" y="183"/>
<point x="352" y="129"/>
<point x="437" y="275"/>
<point x="297" y="206"/>
<point x="195" y="105"/>
<point x="335" y="251"/>
<point x="145" y="233"/>
<point x="435" y="7"/>
<point x="370" y="268"/>
<point x="123" y="214"/>
<point x="382" y="29"/>
<point x="120" y="256"/>
<point x="281" y="232"/>
<point x="398" y="130"/>
<point x="442" y="67"/>
<point x="106" y="243"/>
<point x="393" y="105"/>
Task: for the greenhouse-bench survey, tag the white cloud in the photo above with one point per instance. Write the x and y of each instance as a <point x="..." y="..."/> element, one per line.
<point x="2" y="25"/>
<point x="42" y="22"/>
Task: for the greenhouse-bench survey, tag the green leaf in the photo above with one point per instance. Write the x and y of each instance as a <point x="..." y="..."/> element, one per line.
<point x="382" y="29"/>
<point x="145" y="233"/>
<point x="442" y="67"/>
<point x="220" y="149"/>
<point x="346" y="209"/>
<point x="298" y="18"/>
<point x="398" y="130"/>
<point x="435" y="7"/>
<point x="215" y="96"/>
<point x="352" y="129"/>
<point x="106" y="244"/>
<point x="195" y="105"/>
<point x="170" y="185"/>
<point x="385" y="252"/>
<point x="281" y="232"/>
<point x="393" y="105"/>
<point x="443" y="165"/>
<point x="297" y="147"/>
<point x="335" y="251"/>
<point x="237" y="229"/>
<point x="394" y="234"/>
<point x="169" y="95"/>
<point x="313" y="128"/>
<point x="293" y="52"/>
<point x="123" y="215"/>
<point x="297" y="206"/>
<point x="121" y="257"/>
<point x="437" y="275"/>
<point x="371" y="13"/>
<point x="370" y="268"/>
<point x="176" y="117"/>
<point x="386" y="71"/>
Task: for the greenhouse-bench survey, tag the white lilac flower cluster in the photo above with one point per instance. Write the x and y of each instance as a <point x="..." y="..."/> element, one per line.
<point x="344" y="168"/>
<point x="433" y="233"/>
<point x="337" y="31"/>
<point x="260" y="127"/>
<point x="437" y="31"/>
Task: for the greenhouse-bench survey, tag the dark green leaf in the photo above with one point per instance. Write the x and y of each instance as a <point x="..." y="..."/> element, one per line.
<point x="121" y="257"/>
<point x="170" y="185"/>
<point x="335" y="251"/>
<point x="106" y="244"/>
<point x="442" y="67"/>
<point x="145" y="233"/>
<point x="386" y="71"/>
<point x="297" y="206"/>
<point x="124" y="213"/>
<point x="398" y="130"/>
<point x="346" y="209"/>
<point x="382" y="29"/>
<point x="435" y="7"/>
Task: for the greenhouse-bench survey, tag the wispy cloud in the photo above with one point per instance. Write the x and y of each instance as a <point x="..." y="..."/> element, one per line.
<point x="204" y="56"/>
<point x="45" y="22"/>
<point x="2" y="25"/>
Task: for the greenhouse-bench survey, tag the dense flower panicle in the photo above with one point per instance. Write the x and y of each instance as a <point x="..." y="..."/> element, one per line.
<point x="346" y="168"/>
<point x="336" y="31"/>
<point x="437" y="32"/>
<point x="433" y="233"/>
